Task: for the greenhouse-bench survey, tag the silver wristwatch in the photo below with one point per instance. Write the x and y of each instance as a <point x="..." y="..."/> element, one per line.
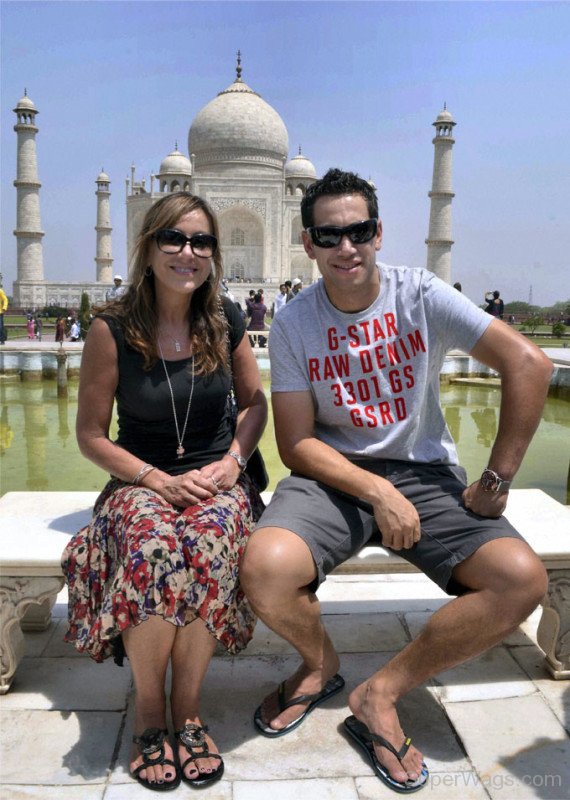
<point x="492" y="482"/>
<point x="240" y="459"/>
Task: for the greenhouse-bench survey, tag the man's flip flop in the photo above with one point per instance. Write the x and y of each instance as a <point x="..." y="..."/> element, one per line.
<point x="331" y="688"/>
<point x="360" y="733"/>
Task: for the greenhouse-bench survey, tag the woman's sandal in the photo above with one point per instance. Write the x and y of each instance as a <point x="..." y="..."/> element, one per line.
<point x="193" y="738"/>
<point x="151" y="741"/>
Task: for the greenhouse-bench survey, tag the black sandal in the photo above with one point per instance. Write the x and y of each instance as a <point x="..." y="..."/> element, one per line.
<point x="151" y="741"/>
<point x="193" y="738"/>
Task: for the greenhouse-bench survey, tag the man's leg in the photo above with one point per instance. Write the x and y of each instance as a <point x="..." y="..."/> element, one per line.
<point x="506" y="582"/>
<point x="276" y="570"/>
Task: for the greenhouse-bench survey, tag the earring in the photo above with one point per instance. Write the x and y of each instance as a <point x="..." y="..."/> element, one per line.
<point x="148" y="271"/>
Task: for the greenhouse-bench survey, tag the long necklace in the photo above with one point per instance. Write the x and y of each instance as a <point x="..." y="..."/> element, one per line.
<point x="180" y="449"/>
<point x="177" y="345"/>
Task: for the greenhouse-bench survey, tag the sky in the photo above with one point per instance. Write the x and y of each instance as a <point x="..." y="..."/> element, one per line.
<point x="358" y="85"/>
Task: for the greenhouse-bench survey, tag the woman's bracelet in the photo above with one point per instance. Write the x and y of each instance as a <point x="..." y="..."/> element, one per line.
<point x="144" y="470"/>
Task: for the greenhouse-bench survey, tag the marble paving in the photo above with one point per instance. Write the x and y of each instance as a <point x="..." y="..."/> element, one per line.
<point x="494" y="729"/>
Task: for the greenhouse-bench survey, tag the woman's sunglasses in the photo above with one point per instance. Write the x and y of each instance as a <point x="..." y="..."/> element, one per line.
<point x="171" y="241"/>
<point x="331" y="236"/>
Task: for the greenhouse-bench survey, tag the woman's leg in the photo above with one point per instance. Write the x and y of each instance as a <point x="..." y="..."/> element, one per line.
<point x="149" y="646"/>
<point x="191" y="655"/>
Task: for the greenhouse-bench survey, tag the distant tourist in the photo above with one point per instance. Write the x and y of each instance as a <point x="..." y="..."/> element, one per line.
<point x="3" y="307"/>
<point x="31" y="327"/>
<point x="74" y="331"/>
<point x="257" y="312"/>
<point x="280" y="300"/>
<point x="495" y="306"/>
<point x="60" y="330"/>
<point x="117" y="290"/>
<point x="297" y="286"/>
<point x="457" y="286"/>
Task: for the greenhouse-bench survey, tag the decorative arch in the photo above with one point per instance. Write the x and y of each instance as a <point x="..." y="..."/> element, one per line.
<point x="247" y="252"/>
<point x="296" y="228"/>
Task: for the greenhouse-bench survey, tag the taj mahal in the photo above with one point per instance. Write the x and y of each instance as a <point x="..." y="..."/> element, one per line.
<point x="239" y="162"/>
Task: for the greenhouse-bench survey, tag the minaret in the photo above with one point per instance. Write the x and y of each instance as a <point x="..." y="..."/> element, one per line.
<point x="104" y="257"/>
<point x="28" y="223"/>
<point x="439" y="239"/>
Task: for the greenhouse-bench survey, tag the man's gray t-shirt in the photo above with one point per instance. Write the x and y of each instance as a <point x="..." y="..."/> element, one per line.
<point x="374" y="374"/>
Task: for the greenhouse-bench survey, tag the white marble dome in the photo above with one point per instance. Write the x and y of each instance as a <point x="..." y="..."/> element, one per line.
<point x="102" y="177"/>
<point x="26" y="103"/>
<point x="238" y="125"/>
<point x="444" y="116"/>
<point x="175" y="163"/>
<point x="300" y="167"/>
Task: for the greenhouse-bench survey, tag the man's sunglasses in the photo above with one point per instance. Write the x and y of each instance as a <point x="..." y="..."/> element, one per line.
<point x="331" y="236"/>
<point x="171" y="241"/>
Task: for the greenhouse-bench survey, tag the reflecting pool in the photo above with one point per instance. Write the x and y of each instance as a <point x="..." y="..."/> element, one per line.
<point x="38" y="450"/>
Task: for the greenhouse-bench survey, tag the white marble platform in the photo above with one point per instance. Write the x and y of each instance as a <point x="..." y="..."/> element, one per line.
<point x="495" y="728"/>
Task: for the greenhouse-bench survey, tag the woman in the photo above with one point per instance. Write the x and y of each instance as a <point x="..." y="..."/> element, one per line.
<point x="170" y="527"/>
<point x="257" y="311"/>
<point x="59" y="330"/>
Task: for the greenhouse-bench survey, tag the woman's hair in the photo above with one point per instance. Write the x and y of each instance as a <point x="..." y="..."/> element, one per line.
<point x="136" y="309"/>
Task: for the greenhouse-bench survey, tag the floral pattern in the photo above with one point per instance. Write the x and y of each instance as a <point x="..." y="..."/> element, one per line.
<point x="141" y="556"/>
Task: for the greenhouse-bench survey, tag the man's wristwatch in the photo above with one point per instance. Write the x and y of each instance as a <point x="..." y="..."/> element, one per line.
<point x="240" y="459"/>
<point x="491" y="482"/>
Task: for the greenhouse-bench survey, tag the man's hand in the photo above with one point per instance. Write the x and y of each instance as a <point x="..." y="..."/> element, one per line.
<point x="486" y="504"/>
<point x="397" y="519"/>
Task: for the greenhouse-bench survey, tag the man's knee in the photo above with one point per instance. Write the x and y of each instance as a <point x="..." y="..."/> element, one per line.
<point x="508" y="567"/>
<point x="275" y="558"/>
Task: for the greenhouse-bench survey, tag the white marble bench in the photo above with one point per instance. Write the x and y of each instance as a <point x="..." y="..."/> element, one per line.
<point x="35" y="527"/>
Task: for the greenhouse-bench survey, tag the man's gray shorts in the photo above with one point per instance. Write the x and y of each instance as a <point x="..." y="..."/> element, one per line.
<point x="335" y="525"/>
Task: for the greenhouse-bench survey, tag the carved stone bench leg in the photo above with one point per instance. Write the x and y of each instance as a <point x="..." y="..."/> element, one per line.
<point x="16" y="594"/>
<point x="554" y="628"/>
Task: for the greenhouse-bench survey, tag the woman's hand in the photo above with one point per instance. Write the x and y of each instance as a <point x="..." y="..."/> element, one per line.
<point x="223" y="474"/>
<point x="182" y="490"/>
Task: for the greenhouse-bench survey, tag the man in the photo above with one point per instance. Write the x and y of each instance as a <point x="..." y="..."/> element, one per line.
<point x="355" y="384"/>
<point x="117" y="290"/>
<point x="280" y="301"/>
<point x="290" y="294"/>
<point x="297" y="286"/>
<point x="495" y="306"/>
<point x="74" y="331"/>
<point x="3" y="308"/>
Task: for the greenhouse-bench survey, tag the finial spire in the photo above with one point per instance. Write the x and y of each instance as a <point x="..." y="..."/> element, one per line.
<point x="238" y="68"/>
<point x="176" y="144"/>
<point x="445" y="106"/>
<point x="299" y="149"/>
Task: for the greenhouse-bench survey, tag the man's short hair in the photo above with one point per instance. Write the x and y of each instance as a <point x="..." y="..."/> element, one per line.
<point x="288" y="284"/>
<point x="337" y="182"/>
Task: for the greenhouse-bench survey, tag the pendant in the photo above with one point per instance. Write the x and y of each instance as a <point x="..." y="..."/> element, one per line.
<point x="179" y="451"/>
<point x="177" y="346"/>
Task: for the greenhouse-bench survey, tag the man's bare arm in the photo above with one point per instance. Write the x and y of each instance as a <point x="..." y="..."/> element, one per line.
<point x="294" y="418"/>
<point x="525" y="376"/>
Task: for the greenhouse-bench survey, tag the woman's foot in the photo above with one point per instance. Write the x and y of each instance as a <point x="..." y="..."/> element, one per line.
<point x="199" y="758"/>
<point x="152" y="762"/>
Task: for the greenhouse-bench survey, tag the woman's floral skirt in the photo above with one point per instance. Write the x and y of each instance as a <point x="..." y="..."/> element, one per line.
<point x="141" y="556"/>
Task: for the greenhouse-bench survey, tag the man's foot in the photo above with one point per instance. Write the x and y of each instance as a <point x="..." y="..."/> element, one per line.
<point x="311" y="687"/>
<point x="379" y="715"/>
<point x="193" y="741"/>
<point x="152" y="763"/>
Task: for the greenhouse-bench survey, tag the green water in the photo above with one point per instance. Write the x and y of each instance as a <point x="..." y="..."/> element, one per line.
<point x="38" y="450"/>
